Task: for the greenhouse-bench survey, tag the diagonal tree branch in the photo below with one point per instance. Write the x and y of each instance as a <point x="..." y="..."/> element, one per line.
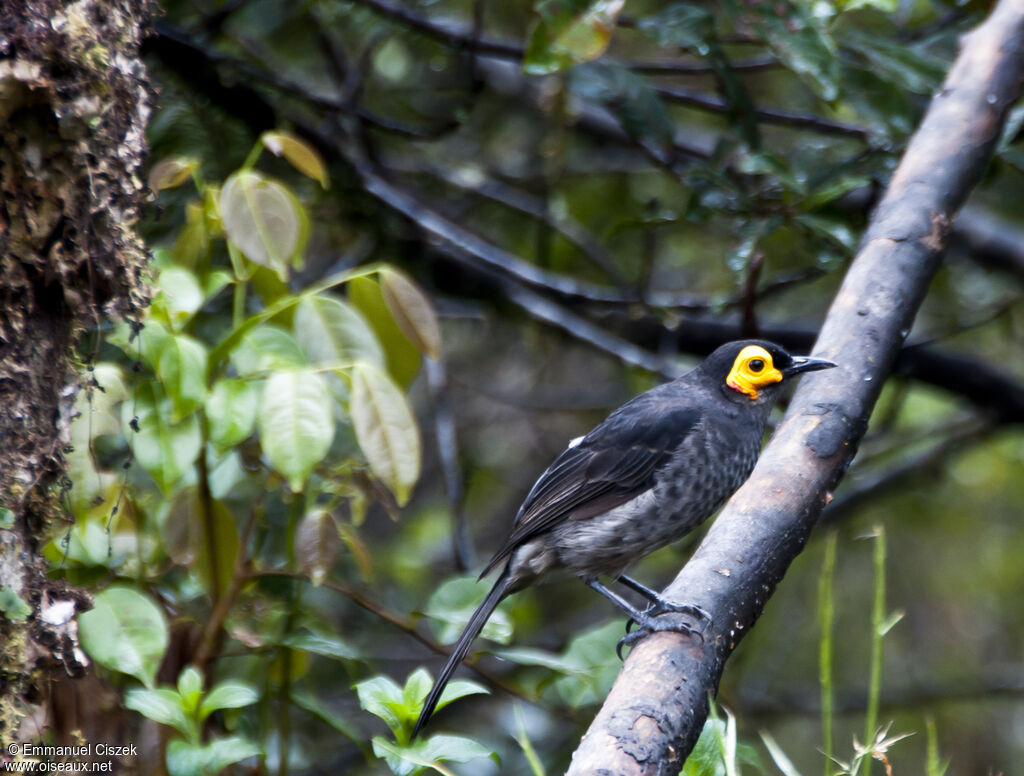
<point x="658" y="705"/>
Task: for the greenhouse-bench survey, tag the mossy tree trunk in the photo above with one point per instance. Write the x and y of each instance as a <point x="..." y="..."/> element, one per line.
<point x="74" y="101"/>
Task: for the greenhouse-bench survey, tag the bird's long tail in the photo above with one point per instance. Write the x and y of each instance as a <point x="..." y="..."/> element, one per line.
<point x="461" y="648"/>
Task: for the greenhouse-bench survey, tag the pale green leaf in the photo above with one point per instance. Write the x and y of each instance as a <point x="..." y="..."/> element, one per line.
<point x="325" y="644"/>
<point x="187" y="759"/>
<point x="171" y="173"/>
<point x="332" y="333"/>
<point x="190" y="689"/>
<point x="266" y="348"/>
<point x="295" y="422"/>
<point x="125" y="632"/>
<point x="161" y="705"/>
<point x="386" y="430"/>
<point x="227" y="695"/>
<point x="262" y="218"/>
<point x="13" y="605"/>
<point x="166" y="450"/>
<point x="182" y="371"/>
<point x="403" y="358"/>
<point x="317" y="544"/>
<point x="412" y="311"/>
<point x="379" y="695"/>
<point x="302" y="156"/>
<point x="231" y="412"/>
<point x="180" y="295"/>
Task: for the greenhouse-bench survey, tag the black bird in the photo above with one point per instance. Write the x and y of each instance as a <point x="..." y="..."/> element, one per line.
<point x="655" y="469"/>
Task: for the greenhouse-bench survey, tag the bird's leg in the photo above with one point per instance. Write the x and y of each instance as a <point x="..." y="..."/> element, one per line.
<point x="615" y="598"/>
<point x="649" y="622"/>
<point x="659" y="604"/>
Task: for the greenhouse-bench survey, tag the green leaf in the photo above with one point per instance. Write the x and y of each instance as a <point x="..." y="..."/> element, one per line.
<point x="317" y="544"/>
<point x="799" y="39"/>
<point x="227" y="695"/>
<point x="263" y="219"/>
<point x="332" y="333"/>
<point x="412" y="311"/>
<point x="681" y="25"/>
<point x="193" y="241"/>
<point x="190" y="689"/>
<point x="454" y="602"/>
<point x="327" y="645"/>
<point x="628" y="96"/>
<point x="386" y="430"/>
<point x="835" y="230"/>
<point x="190" y="681"/>
<point x="171" y="173"/>
<point x="266" y="348"/>
<point x="887" y="107"/>
<point x="146" y="344"/>
<point x="403" y="358"/>
<point x="885" y="6"/>
<point x="380" y="695"/>
<point x="180" y="295"/>
<point x="570" y="31"/>
<point x="459" y="688"/>
<point x="161" y="705"/>
<point x="13" y="605"/>
<point x="125" y="632"/>
<point x="231" y="412"/>
<point x="325" y="713"/>
<point x="588" y="664"/>
<point x="429" y="753"/>
<point x="186" y="759"/>
<point x="166" y="450"/>
<point x="782" y="762"/>
<point x="89" y="542"/>
<point x="417" y="685"/>
<point x="179" y="529"/>
<point x="302" y="156"/>
<point x="706" y="758"/>
<point x="182" y="370"/>
<point x="833" y="190"/>
<point x="896" y="63"/>
<point x="295" y="422"/>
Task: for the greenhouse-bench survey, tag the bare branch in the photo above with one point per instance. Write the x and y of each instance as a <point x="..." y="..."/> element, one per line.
<point x="658" y="705"/>
<point x="785" y="118"/>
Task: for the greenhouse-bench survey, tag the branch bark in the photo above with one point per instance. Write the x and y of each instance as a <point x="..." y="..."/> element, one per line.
<point x="658" y="705"/>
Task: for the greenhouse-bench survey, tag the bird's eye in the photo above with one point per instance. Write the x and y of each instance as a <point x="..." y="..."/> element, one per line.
<point x="756" y="365"/>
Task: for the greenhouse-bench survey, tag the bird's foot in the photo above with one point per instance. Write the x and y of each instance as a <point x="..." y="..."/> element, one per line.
<point x="663" y="616"/>
<point x="664" y="606"/>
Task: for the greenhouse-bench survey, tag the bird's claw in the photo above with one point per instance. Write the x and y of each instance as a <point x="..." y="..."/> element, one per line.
<point x="654" y="619"/>
<point x="664" y="606"/>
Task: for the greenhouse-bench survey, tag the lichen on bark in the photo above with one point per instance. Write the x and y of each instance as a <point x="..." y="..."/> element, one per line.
<point x="74" y="101"/>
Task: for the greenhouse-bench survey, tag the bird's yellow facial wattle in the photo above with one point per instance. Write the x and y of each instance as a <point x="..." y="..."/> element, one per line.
<point x="752" y="369"/>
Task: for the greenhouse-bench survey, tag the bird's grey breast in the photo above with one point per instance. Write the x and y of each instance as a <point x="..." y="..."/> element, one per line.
<point x="709" y="464"/>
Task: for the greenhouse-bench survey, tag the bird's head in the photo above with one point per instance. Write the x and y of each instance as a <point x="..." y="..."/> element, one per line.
<point x="756" y="369"/>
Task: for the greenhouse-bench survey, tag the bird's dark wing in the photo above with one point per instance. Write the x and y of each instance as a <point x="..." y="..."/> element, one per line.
<point x="611" y="465"/>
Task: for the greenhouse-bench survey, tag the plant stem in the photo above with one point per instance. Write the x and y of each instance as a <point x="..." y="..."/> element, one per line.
<point x="877" y="634"/>
<point x="826" y="650"/>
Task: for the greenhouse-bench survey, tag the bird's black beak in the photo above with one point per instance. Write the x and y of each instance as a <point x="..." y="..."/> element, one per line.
<point x="803" y="364"/>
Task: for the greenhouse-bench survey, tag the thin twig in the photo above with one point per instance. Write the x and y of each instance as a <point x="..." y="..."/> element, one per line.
<point x="778" y="116"/>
